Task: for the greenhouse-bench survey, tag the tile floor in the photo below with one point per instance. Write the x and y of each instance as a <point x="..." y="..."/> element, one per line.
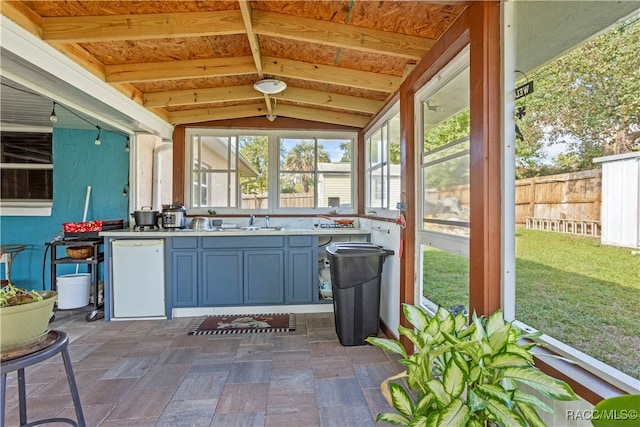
<point x="151" y="373"/>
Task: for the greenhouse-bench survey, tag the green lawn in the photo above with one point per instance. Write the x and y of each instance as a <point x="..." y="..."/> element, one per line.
<point x="571" y="288"/>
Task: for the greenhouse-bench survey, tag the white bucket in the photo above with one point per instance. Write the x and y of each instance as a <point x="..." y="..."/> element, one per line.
<point x="73" y="290"/>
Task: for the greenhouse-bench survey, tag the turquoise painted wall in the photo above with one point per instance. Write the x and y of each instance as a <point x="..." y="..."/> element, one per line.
<point x="77" y="163"/>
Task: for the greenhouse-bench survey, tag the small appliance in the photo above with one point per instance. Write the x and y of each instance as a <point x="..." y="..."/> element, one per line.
<point x="174" y="216"/>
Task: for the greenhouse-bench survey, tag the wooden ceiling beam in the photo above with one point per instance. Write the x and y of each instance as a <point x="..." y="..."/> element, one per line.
<point x="216" y="113"/>
<point x="201" y="96"/>
<point x="247" y="92"/>
<point x="82" y="29"/>
<point x="330" y="74"/>
<point x="333" y="100"/>
<point x="340" y="35"/>
<point x="254" y="110"/>
<point x="245" y="10"/>
<point x="176" y="70"/>
<point x="325" y="116"/>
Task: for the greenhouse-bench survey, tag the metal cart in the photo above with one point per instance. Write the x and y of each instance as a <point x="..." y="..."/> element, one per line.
<point x="92" y="262"/>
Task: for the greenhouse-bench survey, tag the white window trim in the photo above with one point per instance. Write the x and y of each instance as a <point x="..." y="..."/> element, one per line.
<point x="274" y="162"/>
<point x="389" y="212"/>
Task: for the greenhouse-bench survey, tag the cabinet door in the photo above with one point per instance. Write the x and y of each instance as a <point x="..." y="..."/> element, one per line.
<point x="221" y="278"/>
<point x="184" y="278"/>
<point x="301" y="271"/>
<point x="264" y="277"/>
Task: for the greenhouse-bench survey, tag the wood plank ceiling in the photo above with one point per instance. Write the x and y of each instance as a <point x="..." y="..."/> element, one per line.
<point x="196" y="61"/>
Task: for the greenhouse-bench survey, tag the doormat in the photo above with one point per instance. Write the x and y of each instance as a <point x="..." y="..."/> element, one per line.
<point x="245" y="323"/>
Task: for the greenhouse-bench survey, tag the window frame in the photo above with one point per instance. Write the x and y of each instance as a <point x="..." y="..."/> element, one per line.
<point x="384" y="165"/>
<point x="26" y="207"/>
<point x="273" y="178"/>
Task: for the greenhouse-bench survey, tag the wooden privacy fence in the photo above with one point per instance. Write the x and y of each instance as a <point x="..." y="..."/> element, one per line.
<point x="564" y="203"/>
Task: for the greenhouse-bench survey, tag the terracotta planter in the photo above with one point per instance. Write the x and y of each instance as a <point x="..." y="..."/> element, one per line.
<point x="26" y="324"/>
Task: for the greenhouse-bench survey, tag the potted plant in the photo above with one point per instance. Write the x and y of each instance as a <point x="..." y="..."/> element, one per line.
<point x="24" y="316"/>
<point x="466" y="375"/>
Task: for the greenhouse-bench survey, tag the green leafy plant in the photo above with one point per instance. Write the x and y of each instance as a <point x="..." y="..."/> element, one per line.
<point x="466" y="375"/>
<point x="10" y="295"/>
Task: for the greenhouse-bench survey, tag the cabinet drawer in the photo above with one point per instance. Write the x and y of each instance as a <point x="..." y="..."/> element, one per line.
<point x="243" y="242"/>
<point x="297" y="241"/>
<point x="184" y="242"/>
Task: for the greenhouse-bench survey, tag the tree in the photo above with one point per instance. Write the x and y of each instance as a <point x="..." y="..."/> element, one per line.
<point x="302" y="158"/>
<point x="587" y="100"/>
<point x="255" y="149"/>
<point x="346" y="152"/>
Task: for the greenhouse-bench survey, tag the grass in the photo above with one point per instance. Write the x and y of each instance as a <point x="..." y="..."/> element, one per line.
<point x="569" y="287"/>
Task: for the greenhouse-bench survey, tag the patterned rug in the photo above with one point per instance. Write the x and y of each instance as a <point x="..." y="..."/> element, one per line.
<point x="245" y="323"/>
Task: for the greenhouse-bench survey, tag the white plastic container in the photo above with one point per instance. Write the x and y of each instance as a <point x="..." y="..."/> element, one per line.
<point x="73" y="290"/>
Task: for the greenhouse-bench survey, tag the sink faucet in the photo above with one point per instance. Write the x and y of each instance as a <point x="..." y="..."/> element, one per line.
<point x="266" y="221"/>
<point x="252" y="220"/>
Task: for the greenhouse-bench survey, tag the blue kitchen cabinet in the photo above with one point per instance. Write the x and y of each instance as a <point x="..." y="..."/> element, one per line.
<point x="184" y="278"/>
<point x="222" y="278"/>
<point x="301" y="278"/>
<point x="264" y="276"/>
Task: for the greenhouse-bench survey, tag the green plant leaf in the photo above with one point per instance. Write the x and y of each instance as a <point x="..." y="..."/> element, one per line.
<point x="424" y="404"/>
<point x="474" y="423"/>
<point x="531" y="400"/>
<point x="495" y="393"/>
<point x="436" y="387"/>
<point x="453" y="379"/>
<point x="499" y="338"/>
<point x="516" y="349"/>
<point x="459" y="360"/>
<point x="393" y="418"/>
<point x="542" y="382"/>
<point x="455" y="414"/>
<point x="433" y="419"/>
<point x="530" y="415"/>
<point x="503" y="415"/>
<point x="461" y="322"/>
<point x="508" y="384"/>
<point x="400" y="399"/>
<point x="476" y="403"/>
<point x="415" y="316"/>
<point x="433" y="328"/>
<point x="507" y="360"/>
<point x="479" y="333"/>
<point x="494" y="322"/>
<point x="415" y="339"/>
<point x="420" y="421"/>
<point x="391" y="346"/>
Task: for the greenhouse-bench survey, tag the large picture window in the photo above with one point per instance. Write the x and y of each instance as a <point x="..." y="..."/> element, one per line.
<point x="231" y="171"/>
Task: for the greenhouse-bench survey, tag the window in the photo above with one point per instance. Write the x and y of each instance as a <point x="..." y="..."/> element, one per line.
<point x="226" y="167"/>
<point x="442" y="236"/>
<point x="26" y="163"/>
<point x="383" y="165"/>
<point x="230" y="171"/>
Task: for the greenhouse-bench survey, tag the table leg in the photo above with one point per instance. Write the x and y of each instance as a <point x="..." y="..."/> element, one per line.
<point x="22" y="396"/>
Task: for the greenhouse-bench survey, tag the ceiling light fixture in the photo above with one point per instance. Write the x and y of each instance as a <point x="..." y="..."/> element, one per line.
<point x="98" y="142"/>
<point x="53" y="118"/>
<point x="270" y="86"/>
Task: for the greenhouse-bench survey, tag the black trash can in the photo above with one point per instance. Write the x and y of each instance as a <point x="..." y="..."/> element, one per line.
<point x="356" y="270"/>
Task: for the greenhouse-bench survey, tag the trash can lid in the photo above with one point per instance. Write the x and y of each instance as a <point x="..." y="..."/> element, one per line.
<point x="357" y="249"/>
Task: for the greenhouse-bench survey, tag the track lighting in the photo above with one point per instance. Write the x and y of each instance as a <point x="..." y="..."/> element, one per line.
<point x="53" y="118"/>
<point x="98" y="142"/>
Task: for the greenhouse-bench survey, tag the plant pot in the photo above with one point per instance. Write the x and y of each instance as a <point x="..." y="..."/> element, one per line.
<point x="26" y="324"/>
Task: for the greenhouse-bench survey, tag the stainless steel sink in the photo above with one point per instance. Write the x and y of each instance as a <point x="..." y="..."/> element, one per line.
<point x="260" y="228"/>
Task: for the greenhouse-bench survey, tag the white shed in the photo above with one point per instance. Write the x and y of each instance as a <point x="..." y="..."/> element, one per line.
<point x="620" y="216"/>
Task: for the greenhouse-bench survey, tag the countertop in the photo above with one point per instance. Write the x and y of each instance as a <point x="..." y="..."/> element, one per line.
<point x="236" y="232"/>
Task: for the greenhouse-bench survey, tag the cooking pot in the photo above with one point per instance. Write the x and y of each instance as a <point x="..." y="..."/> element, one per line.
<point x="146" y="218"/>
<point x="174" y="216"/>
<point x="201" y="223"/>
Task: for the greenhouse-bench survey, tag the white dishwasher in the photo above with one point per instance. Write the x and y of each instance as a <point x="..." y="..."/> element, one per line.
<point x="138" y="278"/>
